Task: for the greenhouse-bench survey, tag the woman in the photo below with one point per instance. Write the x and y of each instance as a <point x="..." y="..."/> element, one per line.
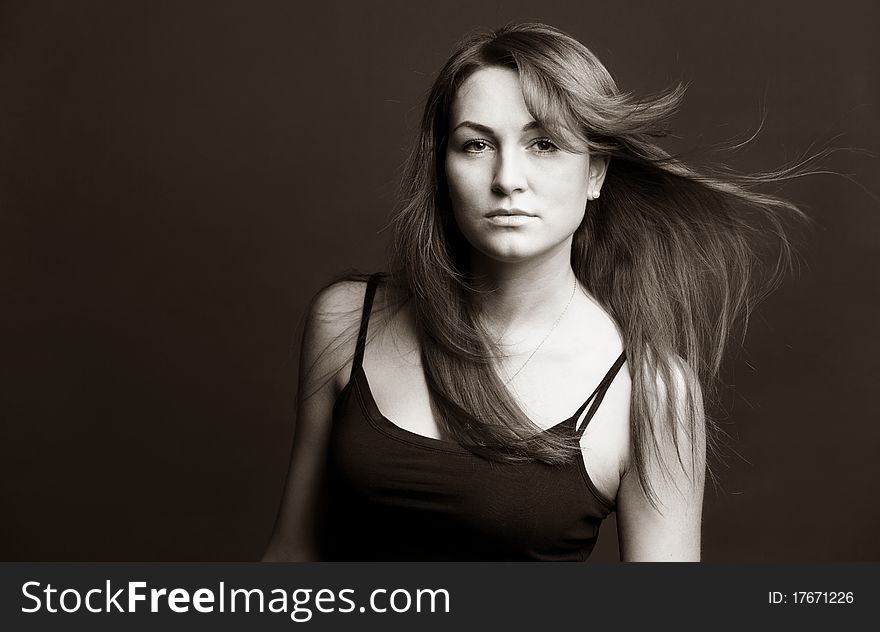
<point x="550" y="258"/>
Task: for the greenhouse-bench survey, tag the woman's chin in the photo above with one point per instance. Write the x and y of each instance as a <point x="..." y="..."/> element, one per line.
<point x="512" y="253"/>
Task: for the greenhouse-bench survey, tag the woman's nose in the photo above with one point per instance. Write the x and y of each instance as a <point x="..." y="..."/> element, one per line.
<point x="510" y="175"/>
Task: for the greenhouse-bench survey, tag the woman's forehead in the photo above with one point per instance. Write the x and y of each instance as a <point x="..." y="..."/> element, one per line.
<point x="491" y="97"/>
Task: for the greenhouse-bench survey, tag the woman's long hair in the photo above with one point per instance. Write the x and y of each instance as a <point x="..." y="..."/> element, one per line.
<point x="670" y="252"/>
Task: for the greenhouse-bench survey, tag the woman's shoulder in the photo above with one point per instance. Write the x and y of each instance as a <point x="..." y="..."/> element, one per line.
<point x="674" y="399"/>
<point x="672" y="379"/>
<point x="338" y="299"/>
<point x="346" y="296"/>
<point x="334" y="320"/>
<point x="334" y="310"/>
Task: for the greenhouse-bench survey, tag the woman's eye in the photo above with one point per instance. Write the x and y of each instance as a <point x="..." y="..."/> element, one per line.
<point x="476" y="146"/>
<point x="544" y="145"/>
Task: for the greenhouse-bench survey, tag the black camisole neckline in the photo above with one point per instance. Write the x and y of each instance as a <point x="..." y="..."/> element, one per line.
<point x="359" y="377"/>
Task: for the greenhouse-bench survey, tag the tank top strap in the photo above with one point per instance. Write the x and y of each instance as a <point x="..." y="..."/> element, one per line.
<point x="372" y="284"/>
<point x="598" y="395"/>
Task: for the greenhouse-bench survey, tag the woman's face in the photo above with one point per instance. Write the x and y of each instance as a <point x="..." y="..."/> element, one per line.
<point x="515" y="195"/>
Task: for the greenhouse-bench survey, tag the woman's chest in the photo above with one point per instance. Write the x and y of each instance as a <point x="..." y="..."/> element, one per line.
<point x="408" y="495"/>
<point x="400" y="402"/>
<point x="551" y="388"/>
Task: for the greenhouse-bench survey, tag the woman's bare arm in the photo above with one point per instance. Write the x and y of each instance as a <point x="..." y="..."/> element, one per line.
<point x="672" y="533"/>
<point x="327" y="348"/>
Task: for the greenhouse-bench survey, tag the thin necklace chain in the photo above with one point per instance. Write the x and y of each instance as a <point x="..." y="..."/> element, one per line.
<point x="540" y="344"/>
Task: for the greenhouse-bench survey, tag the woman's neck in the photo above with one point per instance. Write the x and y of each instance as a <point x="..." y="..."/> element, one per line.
<point x="521" y="296"/>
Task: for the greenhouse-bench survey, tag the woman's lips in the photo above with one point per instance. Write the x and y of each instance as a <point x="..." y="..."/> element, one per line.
<point x="510" y="219"/>
<point x="510" y="211"/>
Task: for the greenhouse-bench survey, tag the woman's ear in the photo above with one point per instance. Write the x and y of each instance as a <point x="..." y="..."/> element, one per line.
<point x="598" y="169"/>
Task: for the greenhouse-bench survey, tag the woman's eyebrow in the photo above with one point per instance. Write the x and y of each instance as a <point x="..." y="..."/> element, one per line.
<point x="485" y="129"/>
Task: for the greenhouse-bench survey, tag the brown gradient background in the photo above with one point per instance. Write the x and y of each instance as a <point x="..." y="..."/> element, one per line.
<point x="177" y="179"/>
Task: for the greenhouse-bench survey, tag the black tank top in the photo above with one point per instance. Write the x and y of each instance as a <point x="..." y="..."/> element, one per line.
<point x="394" y="495"/>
